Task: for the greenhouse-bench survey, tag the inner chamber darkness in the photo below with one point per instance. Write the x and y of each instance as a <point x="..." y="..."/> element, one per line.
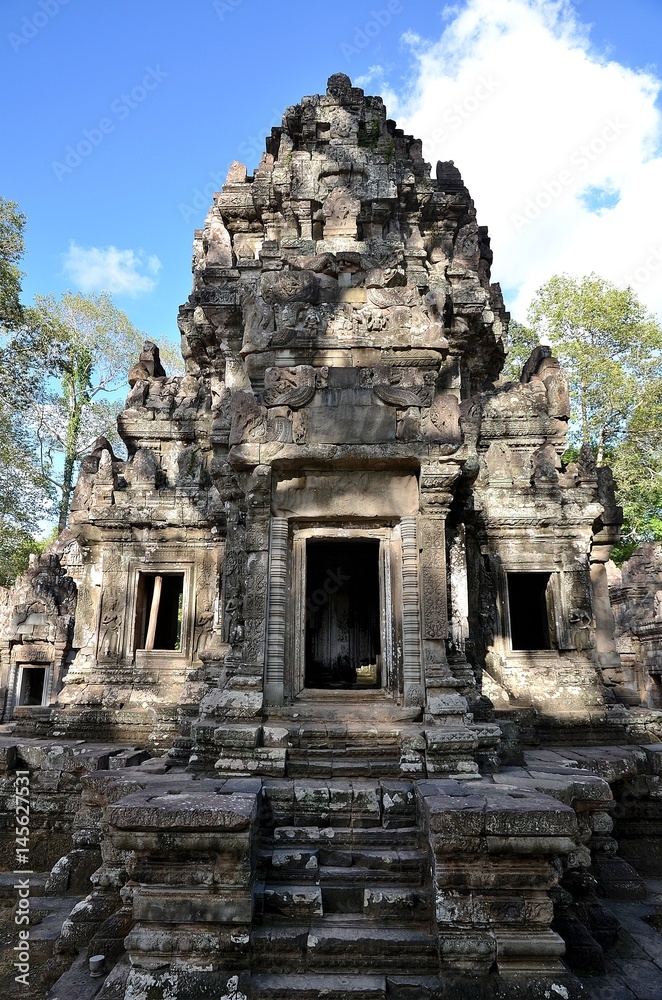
<point x="527" y="598"/>
<point x="342" y="614"/>
<point x="32" y="692"/>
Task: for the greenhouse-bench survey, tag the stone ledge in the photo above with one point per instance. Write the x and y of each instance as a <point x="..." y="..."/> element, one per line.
<point x="184" y="810"/>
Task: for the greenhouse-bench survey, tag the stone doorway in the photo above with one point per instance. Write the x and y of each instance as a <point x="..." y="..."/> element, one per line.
<point x="342" y="619"/>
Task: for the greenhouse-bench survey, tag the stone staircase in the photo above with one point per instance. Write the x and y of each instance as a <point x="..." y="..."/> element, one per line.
<point x="318" y="750"/>
<point x="343" y="884"/>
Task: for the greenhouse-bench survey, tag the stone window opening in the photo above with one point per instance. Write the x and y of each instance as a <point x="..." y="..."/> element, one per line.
<point x="31" y="686"/>
<point x="159" y="607"/>
<point x="529" y="614"/>
<point x="342" y="615"/>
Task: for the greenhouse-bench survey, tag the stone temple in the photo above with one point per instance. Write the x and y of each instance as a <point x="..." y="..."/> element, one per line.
<point x="320" y="693"/>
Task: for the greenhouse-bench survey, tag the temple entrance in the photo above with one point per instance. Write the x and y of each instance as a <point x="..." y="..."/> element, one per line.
<point x="529" y="621"/>
<point x="342" y="615"/>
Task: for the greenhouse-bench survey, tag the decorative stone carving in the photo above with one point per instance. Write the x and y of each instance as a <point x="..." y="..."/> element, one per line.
<point x="293" y="387"/>
<point x="499" y="465"/>
<point x="401" y="387"/>
<point x="340" y="212"/>
<point x="289" y="286"/>
<point x="258" y="318"/>
<point x="433" y="573"/>
<point x="218" y="242"/>
<point x="545" y="462"/>
<point x="149" y="365"/>
<point x="442" y="423"/>
<point x="248" y="419"/>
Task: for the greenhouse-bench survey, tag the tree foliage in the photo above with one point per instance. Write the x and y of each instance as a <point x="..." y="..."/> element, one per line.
<point x="85" y="345"/>
<point x="12" y="248"/>
<point x="611" y="348"/>
<point x="24" y="492"/>
<point x="63" y="366"/>
<point x="609" y="345"/>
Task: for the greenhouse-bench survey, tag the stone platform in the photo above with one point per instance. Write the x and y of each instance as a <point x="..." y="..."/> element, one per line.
<point x="431" y="887"/>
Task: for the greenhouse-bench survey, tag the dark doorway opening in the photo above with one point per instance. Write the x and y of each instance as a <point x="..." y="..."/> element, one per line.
<point x="527" y="599"/>
<point x="159" y="611"/>
<point x="32" y="686"/>
<point x="343" y="644"/>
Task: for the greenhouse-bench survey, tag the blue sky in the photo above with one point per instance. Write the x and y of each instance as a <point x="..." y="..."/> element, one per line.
<point x="159" y="96"/>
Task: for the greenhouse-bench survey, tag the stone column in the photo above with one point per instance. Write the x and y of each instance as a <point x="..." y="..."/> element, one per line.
<point x="433" y="593"/>
<point x="616" y="679"/>
<point x="411" y="621"/>
<point x="277" y="613"/>
<point x="436" y="498"/>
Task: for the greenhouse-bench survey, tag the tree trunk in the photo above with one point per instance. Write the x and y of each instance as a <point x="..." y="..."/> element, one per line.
<point x="75" y="387"/>
<point x="600" y="455"/>
<point x="67" y="486"/>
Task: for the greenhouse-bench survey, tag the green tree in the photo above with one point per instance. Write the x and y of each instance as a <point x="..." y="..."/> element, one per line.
<point x="637" y="465"/>
<point x="611" y="348"/>
<point x="521" y="341"/>
<point x="86" y="346"/>
<point x="12" y="248"/>
<point x="24" y="492"/>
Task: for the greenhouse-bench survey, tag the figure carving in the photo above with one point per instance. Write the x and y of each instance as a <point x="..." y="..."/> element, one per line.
<point x="293" y="387"/>
<point x="219" y="244"/>
<point x="340" y="211"/>
<point x="401" y="387"/>
<point x="442" y="423"/>
<point x="289" y="286"/>
<point x="248" y="419"/>
<point x="258" y="318"/>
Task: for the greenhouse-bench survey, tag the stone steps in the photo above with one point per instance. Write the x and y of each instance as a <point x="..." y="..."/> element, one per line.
<point x="384" y="901"/>
<point x="351" y="891"/>
<point x="316" y="804"/>
<point x="317" y="764"/>
<point x="317" y="750"/>
<point x="337" y="940"/>
<point x="310" y="987"/>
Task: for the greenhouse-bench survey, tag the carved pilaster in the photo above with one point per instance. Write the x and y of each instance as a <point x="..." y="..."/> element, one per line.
<point x="433" y="573"/>
<point x="411" y="623"/>
<point x="275" y="667"/>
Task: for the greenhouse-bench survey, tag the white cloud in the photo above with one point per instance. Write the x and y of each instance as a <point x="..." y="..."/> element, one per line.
<point x="539" y="124"/>
<point x="107" y="269"/>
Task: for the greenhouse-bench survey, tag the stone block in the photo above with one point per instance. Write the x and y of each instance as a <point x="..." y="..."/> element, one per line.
<point x="184" y="811"/>
<point x="160" y="905"/>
